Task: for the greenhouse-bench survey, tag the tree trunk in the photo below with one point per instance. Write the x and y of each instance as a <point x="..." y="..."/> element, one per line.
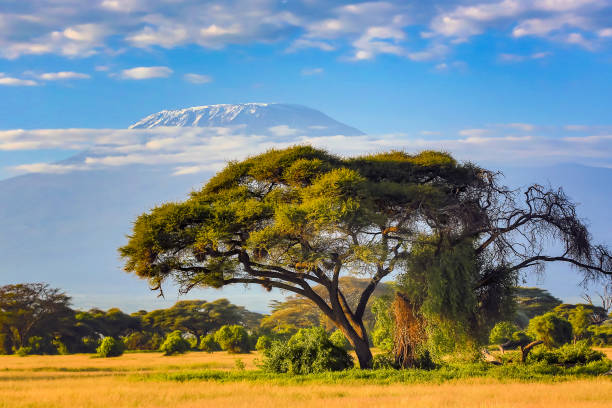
<point x="364" y="355"/>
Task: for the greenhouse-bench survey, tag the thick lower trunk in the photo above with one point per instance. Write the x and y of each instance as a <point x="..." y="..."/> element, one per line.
<point x="359" y="341"/>
<point x="364" y="355"/>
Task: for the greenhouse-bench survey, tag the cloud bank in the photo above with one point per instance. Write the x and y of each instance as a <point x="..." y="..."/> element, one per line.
<point x="192" y="150"/>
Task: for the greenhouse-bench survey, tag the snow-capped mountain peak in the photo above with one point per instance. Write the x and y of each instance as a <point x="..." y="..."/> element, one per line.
<point x="256" y="118"/>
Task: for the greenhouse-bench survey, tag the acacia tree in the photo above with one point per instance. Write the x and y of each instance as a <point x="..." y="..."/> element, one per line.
<point x="300" y="217"/>
<point x="33" y="309"/>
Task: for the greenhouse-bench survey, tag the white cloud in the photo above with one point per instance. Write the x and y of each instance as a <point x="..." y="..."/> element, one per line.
<point x="312" y="71"/>
<point x="11" y="81"/>
<point x="146" y="73"/>
<point x="55" y="76"/>
<point x="282" y="131"/>
<point x="197" y="78"/>
<point x="474" y="132"/>
<point x="47" y="168"/>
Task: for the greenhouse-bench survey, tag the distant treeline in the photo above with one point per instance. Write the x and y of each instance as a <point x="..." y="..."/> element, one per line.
<point x="38" y="319"/>
<point x="35" y="318"/>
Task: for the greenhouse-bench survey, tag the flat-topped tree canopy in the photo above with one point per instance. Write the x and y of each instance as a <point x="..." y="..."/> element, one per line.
<point x="299" y="217"/>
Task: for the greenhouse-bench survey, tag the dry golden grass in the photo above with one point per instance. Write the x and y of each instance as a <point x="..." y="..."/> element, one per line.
<point x="82" y="381"/>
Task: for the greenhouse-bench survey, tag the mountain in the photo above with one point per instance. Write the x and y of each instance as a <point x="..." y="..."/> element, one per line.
<point x="253" y="118"/>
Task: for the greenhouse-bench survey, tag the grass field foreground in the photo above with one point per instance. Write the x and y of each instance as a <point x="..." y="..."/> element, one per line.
<point x="145" y="380"/>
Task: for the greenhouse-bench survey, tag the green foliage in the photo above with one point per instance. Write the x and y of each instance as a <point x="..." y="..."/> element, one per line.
<point x="263" y="343"/>
<point x="61" y="347"/>
<point x="553" y="330"/>
<point x="502" y="332"/>
<point x="601" y="335"/>
<point x="233" y="339"/>
<point x="110" y="347"/>
<point x="580" y="319"/>
<point x="339" y="340"/>
<point x="578" y="353"/>
<point x="382" y="335"/>
<point x="308" y="351"/>
<point x="175" y="344"/>
<point x="208" y="343"/>
<point x="240" y="366"/>
<point x="384" y="361"/>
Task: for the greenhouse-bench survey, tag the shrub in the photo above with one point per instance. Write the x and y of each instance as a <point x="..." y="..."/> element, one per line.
<point x="601" y="335"/>
<point x="233" y="339"/>
<point x="339" y="340"/>
<point x="569" y="355"/>
<point x="308" y="351"/>
<point x="502" y="332"/>
<point x="175" y="344"/>
<point x="384" y="361"/>
<point x="263" y="343"/>
<point x="553" y="330"/>
<point x="23" y="351"/>
<point x="110" y="347"/>
<point x="192" y="340"/>
<point x="208" y="343"/>
<point x="89" y="345"/>
<point x="61" y="347"/>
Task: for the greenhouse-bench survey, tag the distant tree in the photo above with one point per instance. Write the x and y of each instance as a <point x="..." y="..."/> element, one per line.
<point x="208" y="343"/>
<point x="33" y="309"/>
<point x="263" y="343"/>
<point x="233" y="339"/>
<point x="502" y="332"/>
<point x="296" y="218"/>
<point x="110" y="347"/>
<point x="552" y="330"/>
<point x="175" y="343"/>
<point x="594" y="314"/>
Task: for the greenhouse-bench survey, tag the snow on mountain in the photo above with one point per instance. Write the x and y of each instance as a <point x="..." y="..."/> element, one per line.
<point x="275" y="119"/>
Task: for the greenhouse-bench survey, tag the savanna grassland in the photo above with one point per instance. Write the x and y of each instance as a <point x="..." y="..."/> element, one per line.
<point x="216" y="379"/>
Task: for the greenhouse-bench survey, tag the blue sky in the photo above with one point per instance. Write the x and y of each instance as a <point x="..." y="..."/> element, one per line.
<point x="502" y="82"/>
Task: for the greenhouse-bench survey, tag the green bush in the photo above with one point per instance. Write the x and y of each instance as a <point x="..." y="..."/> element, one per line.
<point x="61" y="347"/>
<point x="569" y="355"/>
<point x="89" y="345"/>
<point x="263" y="343"/>
<point x="384" y="361"/>
<point x="23" y="351"/>
<point x="502" y="332"/>
<point x="601" y="335"/>
<point x="208" y="343"/>
<point x="233" y="339"/>
<point x="110" y="347"/>
<point x="553" y="330"/>
<point x="340" y="340"/>
<point x="175" y="344"/>
<point x="308" y="351"/>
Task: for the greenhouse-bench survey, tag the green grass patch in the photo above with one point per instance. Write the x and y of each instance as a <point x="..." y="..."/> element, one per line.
<point x="539" y="372"/>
